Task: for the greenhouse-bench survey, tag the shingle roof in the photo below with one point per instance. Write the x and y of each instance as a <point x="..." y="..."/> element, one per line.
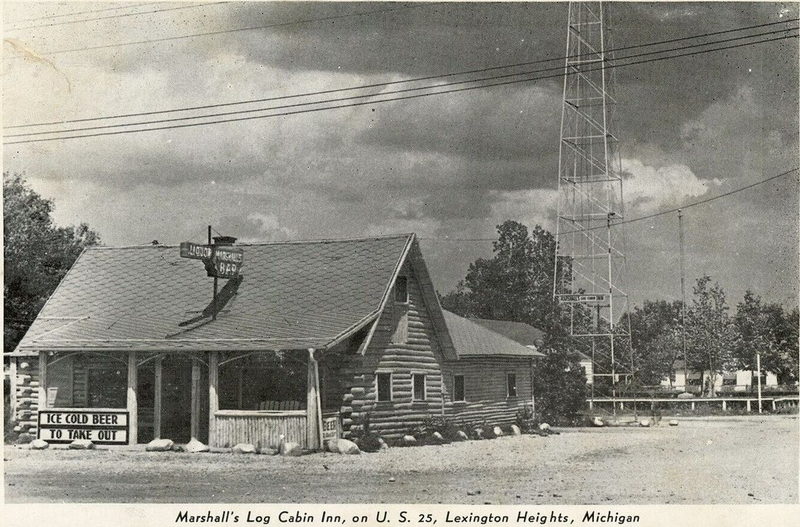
<point x="294" y="295"/>
<point x="521" y="332"/>
<point x="473" y="340"/>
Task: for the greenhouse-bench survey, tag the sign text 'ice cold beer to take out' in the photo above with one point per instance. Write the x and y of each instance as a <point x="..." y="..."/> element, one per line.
<point x="102" y="427"/>
<point x="221" y="261"/>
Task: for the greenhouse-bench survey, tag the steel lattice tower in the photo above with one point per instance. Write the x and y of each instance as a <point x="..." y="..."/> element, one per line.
<point x="590" y="259"/>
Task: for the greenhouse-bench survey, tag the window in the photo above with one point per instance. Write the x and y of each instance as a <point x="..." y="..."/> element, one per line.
<point x="401" y="290"/>
<point x="511" y="385"/>
<point x="419" y="386"/>
<point x="458" y="388"/>
<point x="384" y="381"/>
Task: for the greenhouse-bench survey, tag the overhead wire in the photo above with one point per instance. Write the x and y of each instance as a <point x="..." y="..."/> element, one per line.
<point x="648" y="216"/>
<point x="122" y="15"/>
<point x="419" y="79"/>
<point x="376" y="101"/>
<point x="354" y="97"/>
<point x="234" y="30"/>
<point x="62" y="15"/>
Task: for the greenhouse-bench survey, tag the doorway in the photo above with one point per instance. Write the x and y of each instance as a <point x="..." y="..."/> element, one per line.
<point x="176" y="399"/>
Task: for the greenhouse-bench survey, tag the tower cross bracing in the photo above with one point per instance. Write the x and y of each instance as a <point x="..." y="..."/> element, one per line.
<point x="590" y="258"/>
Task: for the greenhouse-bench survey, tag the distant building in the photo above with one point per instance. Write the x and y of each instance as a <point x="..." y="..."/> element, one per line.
<point x="732" y="381"/>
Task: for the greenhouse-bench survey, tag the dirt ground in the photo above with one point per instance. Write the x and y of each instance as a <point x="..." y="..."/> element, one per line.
<point x="705" y="461"/>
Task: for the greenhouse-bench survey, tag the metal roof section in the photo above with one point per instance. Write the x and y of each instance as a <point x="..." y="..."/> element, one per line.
<point x="521" y="332"/>
<point x="474" y="340"/>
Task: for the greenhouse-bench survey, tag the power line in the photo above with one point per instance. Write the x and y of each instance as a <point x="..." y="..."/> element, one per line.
<point x="374" y="101"/>
<point x="418" y="79"/>
<point x="234" y="30"/>
<point x="47" y="17"/>
<point x="138" y="13"/>
<point x="365" y="96"/>
<point x="648" y="216"/>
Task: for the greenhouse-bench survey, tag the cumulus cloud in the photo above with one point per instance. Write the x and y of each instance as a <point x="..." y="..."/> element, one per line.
<point x="648" y="188"/>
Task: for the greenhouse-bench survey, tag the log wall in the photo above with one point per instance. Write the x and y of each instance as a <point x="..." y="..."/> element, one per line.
<point x="27" y="391"/>
<point x="401" y="351"/>
<point x="350" y="378"/>
<point x="485" y="390"/>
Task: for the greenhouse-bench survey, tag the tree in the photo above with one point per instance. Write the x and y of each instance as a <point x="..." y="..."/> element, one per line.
<point x="656" y="336"/>
<point x="559" y="385"/>
<point x="766" y="330"/>
<point x="516" y="284"/>
<point x="37" y="254"/>
<point x="710" y="333"/>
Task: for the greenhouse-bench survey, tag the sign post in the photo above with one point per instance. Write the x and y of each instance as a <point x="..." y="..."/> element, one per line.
<point x="221" y="261"/>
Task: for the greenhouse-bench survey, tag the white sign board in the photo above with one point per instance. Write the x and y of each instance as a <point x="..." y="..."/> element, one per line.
<point x="330" y="428"/>
<point x="102" y="427"/>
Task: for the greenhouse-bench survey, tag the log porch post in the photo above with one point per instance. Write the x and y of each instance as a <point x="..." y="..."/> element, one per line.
<point x="132" y="405"/>
<point x="13" y="388"/>
<point x="157" y="399"/>
<point x="213" y="395"/>
<point x="194" y="425"/>
<point x="313" y="412"/>
<point x="42" y="380"/>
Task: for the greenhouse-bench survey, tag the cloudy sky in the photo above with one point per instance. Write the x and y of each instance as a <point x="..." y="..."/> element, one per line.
<point x="447" y="167"/>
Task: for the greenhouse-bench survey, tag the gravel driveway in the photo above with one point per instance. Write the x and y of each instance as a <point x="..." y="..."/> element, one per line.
<point x="713" y="460"/>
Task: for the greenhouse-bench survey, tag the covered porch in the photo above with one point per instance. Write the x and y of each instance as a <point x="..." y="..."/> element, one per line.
<point x="220" y="398"/>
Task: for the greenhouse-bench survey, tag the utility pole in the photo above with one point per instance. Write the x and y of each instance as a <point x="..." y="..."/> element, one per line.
<point x="683" y="303"/>
<point x="758" y="367"/>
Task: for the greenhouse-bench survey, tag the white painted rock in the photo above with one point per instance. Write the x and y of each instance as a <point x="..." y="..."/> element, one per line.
<point x="81" y="444"/>
<point x="437" y="436"/>
<point x="39" y="444"/>
<point x="244" y="448"/>
<point x="18" y="429"/>
<point x="598" y="422"/>
<point x="673" y="422"/>
<point x="544" y="427"/>
<point x="685" y="395"/>
<point x="515" y="430"/>
<point x="478" y="433"/>
<point x="343" y="446"/>
<point x="497" y="431"/>
<point x="195" y="447"/>
<point x="382" y="443"/>
<point x="644" y="422"/>
<point x="159" y="445"/>
<point x="291" y="449"/>
<point x="409" y="440"/>
<point x="462" y="436"/>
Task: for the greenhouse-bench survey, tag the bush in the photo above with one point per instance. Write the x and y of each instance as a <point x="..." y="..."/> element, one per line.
<point x="9" y="435"/>
<point x="363" y="435"/>
<point x="560" y="388"/>
<point x="488" y="431"/>
<point x="525" y="419"/>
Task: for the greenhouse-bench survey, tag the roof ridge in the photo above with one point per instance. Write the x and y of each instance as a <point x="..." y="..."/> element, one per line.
<point x="263" y="244"/>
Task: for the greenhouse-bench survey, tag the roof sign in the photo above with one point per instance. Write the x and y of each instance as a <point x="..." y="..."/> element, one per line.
<point x="220" y="261"/>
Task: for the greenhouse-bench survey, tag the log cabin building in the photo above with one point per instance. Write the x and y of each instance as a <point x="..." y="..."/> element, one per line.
<point x="304" y="342"/>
